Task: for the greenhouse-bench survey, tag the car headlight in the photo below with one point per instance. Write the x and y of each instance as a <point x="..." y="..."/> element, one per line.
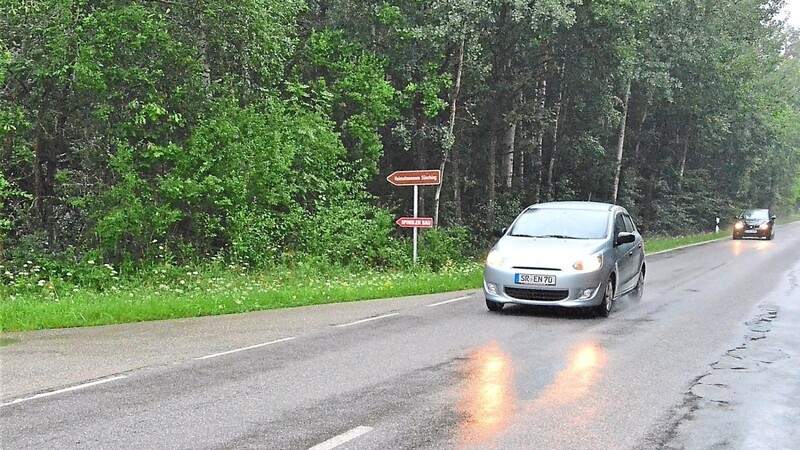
<point x="764" y="225"/>
<point x="738" y="225"/>
<point x="495" y="259"/>
<point x="589" y="264"/>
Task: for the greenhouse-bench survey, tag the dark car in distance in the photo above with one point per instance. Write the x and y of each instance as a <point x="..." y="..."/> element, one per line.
<point x="756" y="223"/>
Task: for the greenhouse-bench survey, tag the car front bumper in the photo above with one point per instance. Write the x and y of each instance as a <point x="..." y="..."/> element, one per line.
<point x="572" y="290"/>
<point x="753" y="233"/>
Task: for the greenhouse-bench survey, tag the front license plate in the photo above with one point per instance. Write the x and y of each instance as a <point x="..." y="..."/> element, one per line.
<point x="751" y="231"/>
<point x="541" y="280"/>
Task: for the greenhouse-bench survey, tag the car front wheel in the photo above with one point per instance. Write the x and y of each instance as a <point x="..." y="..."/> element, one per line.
<point x="639" y="289"/>
<point x="494" y="306"/>
<point x="604" y="308"/>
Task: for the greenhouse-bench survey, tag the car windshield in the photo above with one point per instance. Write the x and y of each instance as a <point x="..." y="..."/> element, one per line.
<point x="755" y="214"/>
<point x="562" y="223"/>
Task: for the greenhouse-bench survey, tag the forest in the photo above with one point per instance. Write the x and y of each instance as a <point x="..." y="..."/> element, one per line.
<point x="261" y="132"/>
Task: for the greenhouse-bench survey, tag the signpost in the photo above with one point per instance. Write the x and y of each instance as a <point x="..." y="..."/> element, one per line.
<point x="415" y="222"/>
<point x="415" y="178"/>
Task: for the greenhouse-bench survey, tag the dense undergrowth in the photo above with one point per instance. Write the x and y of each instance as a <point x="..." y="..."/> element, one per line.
<point x="39" y="295"/>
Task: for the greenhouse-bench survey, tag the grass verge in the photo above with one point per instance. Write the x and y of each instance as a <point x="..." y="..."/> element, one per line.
<point x="662" y="243"/>
<point x="35" y="301"/>
<point x="55" y="303"/>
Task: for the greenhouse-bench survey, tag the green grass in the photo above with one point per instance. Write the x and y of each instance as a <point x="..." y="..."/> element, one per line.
<point x="33" y="299"/>
<point x="661" y="243"/>
<point x="56" y="303"/>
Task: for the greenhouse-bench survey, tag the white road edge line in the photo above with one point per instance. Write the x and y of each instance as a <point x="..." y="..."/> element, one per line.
<point x="450" y="301"/>
<point x="62" y="391"/>
<point x="243" y="349"/>
<point x="367" y="320"/>
<point x="342" y="438"/>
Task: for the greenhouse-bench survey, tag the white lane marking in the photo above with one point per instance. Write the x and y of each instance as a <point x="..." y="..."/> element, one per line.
<point x="367" y="320"/>
<point x="243" y="349"/>
<point x="341" y="439"/>
<point x="451" y="300"/>
<point x="69" y="389"/>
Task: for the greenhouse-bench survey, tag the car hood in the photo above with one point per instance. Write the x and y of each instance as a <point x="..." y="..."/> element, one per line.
<point x="754" y="222"/>
<point x="546" y="252"/>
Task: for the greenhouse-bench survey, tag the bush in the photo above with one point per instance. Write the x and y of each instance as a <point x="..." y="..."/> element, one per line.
<point x="440" y="248"/>
<point x="351" y="232"/>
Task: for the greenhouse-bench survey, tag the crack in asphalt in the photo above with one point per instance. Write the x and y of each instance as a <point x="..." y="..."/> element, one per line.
<point x="714" y="392"/>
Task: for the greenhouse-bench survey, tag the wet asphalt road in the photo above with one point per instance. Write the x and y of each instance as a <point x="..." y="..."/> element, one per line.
<point x="698" y="362"/>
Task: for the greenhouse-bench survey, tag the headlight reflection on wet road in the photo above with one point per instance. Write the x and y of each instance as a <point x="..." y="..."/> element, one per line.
<point x="488" y="400"/>
<point x="582" y="372"/>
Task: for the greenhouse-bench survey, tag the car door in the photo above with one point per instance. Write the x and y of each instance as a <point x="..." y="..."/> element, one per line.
<point x="637" y="258"/>
<point x="626" y="264"/>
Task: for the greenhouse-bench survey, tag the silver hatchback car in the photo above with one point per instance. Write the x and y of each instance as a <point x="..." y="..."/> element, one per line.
<point x="571" y="254"/>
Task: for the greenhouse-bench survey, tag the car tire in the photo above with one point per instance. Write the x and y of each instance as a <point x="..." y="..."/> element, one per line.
<point x="770" y="235"/>
<point x="638" y="290"/>
<point x="494" y="306"/>
<point x="736" y="238"/>
<point x="604" y="308"/>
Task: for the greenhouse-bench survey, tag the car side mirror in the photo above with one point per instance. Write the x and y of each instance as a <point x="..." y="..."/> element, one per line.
<point x="625" y="238"/>
<point x="500" y="233"/>
<point x="773" y="217"/>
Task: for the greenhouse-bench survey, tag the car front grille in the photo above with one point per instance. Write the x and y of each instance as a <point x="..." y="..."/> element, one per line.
<point x="542" y="295"/>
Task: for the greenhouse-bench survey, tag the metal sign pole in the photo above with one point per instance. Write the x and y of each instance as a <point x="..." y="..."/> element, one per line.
<point x="416" y="194"/>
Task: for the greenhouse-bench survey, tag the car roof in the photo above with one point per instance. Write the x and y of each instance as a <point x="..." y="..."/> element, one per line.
<point x="590" y="206"/>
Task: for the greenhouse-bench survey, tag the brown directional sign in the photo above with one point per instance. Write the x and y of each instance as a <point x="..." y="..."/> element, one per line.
<point x="415" y="222"/>
<point x="415" y="177"/>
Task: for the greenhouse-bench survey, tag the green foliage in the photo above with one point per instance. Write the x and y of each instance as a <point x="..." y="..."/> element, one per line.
<point x="347" y="231"/>
<point x="5" y="192"/>
<point x="441" y="248"/>
<point x="349" y="83"/>
<point x="146" y="134"/>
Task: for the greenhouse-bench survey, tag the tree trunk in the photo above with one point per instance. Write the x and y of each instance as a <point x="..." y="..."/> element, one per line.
<point x="451" y="141"/>
<point x="621" y="141"/>
<point x="682" y="169"/>
<point x="202" y="44"/>
<point x="637" y="147"/>
<point x="491" y="191"/>
<point x="509" y="138"/>
<point x="541" y="94"/>
<point x="551" y="164"/>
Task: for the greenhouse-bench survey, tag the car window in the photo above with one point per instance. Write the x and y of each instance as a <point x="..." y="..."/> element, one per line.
<point x="755" y="214"/>
<point x="562" y="223"/>
<point x="619" y="224"/>
<point x="629" y="226"/>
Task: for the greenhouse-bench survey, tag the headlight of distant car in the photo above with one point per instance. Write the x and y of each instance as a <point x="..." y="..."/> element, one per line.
<point x="738" y="225"/>
<point x="589" y="264"/>
<point x="495" y="259"/>
<point x="764" y="226"/>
